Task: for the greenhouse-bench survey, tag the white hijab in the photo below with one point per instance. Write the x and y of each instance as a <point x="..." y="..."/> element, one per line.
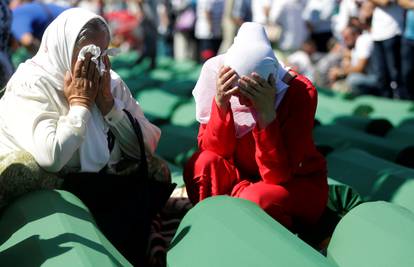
<point x="250" y="52"/>
<point x="52" y="61"/>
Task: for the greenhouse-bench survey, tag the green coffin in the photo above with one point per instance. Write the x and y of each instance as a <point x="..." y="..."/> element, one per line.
<point x="53" y="228"/>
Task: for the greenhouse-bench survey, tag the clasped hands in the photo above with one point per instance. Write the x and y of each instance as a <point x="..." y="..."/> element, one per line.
<point x="85" y="86"/>
<point x="252" y="91"/>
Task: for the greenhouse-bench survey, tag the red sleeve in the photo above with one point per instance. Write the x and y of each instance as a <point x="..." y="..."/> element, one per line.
<point x="218" y="135"/>
<point x="281" y="146"/>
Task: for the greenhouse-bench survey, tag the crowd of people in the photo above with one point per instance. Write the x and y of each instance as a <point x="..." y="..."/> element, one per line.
<point x="352" y="46"/>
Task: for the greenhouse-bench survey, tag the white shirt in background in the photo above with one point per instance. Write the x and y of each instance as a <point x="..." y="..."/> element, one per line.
<point x="288" y="14"/>
<point x="347" y="10"/>
<point x="318" y="13"/>
<point x="203" y="30"/>
<point x="363" y="48"/>
<point x="387" y="22"/>
<point x="258" y="7"/>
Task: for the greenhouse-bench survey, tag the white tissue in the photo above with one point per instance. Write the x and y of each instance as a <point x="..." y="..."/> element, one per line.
<point x="96" y="52"/>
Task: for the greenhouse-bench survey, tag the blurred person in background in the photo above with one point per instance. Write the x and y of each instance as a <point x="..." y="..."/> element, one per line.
<point x="147" y="11"/>
<point x="208" y="29"/>
<point x="386" y="30"/>
<point x="6" y="66"/>
<point x="407" y="50"/>
<point x="318" y="16"/>
<point x="185" y="45"/>
<point x="242" y="12"/>
<point x="261" y="11"/>
<point x="355" y="70"/>
<point x="30" y="20"/>
<point x="287" y="14"/>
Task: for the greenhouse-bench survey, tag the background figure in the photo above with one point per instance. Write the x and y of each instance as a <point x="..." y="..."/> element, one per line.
<point x="166" y="28"/>
<point x="208" y="27"/>
<point x="347" y="9"/>
<point x="387" y="23"/>
<point x="407" y="50"/>
<point x="261" y="11"/>
<point x="355" y="66"/>
<point x="185" y="46"/>
<point x="242" y="12"/>
<point x="149" y="24"/>
<point x="30" y="20"/>
<point x="318" y="15"/>
<point x="228" y="26"/>
<point x="288" y="15"/>
<point x="6" y="67"/>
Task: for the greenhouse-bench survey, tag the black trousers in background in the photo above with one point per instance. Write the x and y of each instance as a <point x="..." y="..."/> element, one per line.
<point x="123" y="208"/>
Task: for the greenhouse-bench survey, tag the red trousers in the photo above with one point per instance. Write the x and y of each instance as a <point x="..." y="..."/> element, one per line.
<point x="299" y="201"/>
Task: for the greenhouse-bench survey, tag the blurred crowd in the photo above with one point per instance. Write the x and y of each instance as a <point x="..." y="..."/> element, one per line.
<point x="351" y="46"/>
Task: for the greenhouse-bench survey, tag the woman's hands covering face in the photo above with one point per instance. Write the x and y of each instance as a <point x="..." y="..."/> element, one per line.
<point x="225" y="86"/>
<point x="81" y="87"/>
<point x="261" y="94"/>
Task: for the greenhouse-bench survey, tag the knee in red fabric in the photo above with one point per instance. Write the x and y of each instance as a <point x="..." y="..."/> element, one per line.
<point x="273" y="199"/>
<point x="208" y="174"/>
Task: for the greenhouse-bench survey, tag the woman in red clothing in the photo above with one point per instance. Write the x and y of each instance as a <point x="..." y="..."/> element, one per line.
<point x="255" y="137"/>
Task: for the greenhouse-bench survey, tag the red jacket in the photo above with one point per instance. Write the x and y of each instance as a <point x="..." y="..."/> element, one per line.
<point x="281" y="151"/>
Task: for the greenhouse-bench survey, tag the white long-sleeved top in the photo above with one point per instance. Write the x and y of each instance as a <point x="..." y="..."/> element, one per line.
<point x="37" y="118"/>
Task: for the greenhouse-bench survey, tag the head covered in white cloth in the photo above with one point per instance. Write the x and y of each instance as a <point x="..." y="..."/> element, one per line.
<point x="250" y="52"/>
<point x="51" y="63"/>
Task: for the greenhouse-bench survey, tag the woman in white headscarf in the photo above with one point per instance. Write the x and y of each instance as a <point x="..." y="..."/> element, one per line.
<point x="255" y="137"/>
<point x="66" y="111"/>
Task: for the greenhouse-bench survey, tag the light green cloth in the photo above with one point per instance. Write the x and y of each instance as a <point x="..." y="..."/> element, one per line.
<point x="373" y="177"/>
<point x="375" y="234"/>
<point x="223" y="231"/>
<point x="53" y="228"/>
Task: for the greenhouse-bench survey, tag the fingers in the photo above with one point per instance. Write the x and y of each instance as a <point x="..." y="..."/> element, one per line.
<point x="225" y="74"/>
<point x="91" y="69"/>
<point x="78" y="69"/>
<point x="250" y="84"/>
<point x="262" y="82"/>
<point x="233" y="91"/>
<point x="232" y="80"/>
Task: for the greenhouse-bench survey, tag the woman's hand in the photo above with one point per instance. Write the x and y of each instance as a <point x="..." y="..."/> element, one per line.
<point x="104" y="99"/>
<point x="81" y="88"/>
<point x="262" y="95"/>
<point x="225" y="87"/>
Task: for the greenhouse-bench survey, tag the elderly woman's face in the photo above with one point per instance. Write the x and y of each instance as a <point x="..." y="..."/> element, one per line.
<point x="100" y="39"/>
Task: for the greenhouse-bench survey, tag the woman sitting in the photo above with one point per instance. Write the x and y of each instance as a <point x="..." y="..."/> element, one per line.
<point x="66" y="111"/>
<point x="255" y="137"/>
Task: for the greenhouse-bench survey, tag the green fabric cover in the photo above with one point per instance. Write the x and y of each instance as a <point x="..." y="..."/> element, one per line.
<point x="225" y="231"/>
<point x="176" y="175"/>
<point x="184" y="114"/>
<point x="177" y="143"/>
<point x="373" y="177"/>
<point x="330" y="108"/>
<point x="53" y="228"/>
<point x="158" y="103"/>
<point x="377" y="127"/>
<point x="403" y="134"/>
<point x="337" y="136"/>
<point x="394" y="110"/>
<point x="374" y="234"/>
<point x="182" y="87"/>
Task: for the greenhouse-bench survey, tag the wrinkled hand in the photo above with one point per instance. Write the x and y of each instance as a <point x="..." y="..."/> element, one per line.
<point x="81" y="87"/>
<point x="225" y="87"/>
<point x="104" y="98"/>
<point x="262" y="96"/>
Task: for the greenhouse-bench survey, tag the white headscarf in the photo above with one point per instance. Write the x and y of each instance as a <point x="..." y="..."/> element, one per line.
<point x="52" y="61"/>
<point x="250" y="52"/>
